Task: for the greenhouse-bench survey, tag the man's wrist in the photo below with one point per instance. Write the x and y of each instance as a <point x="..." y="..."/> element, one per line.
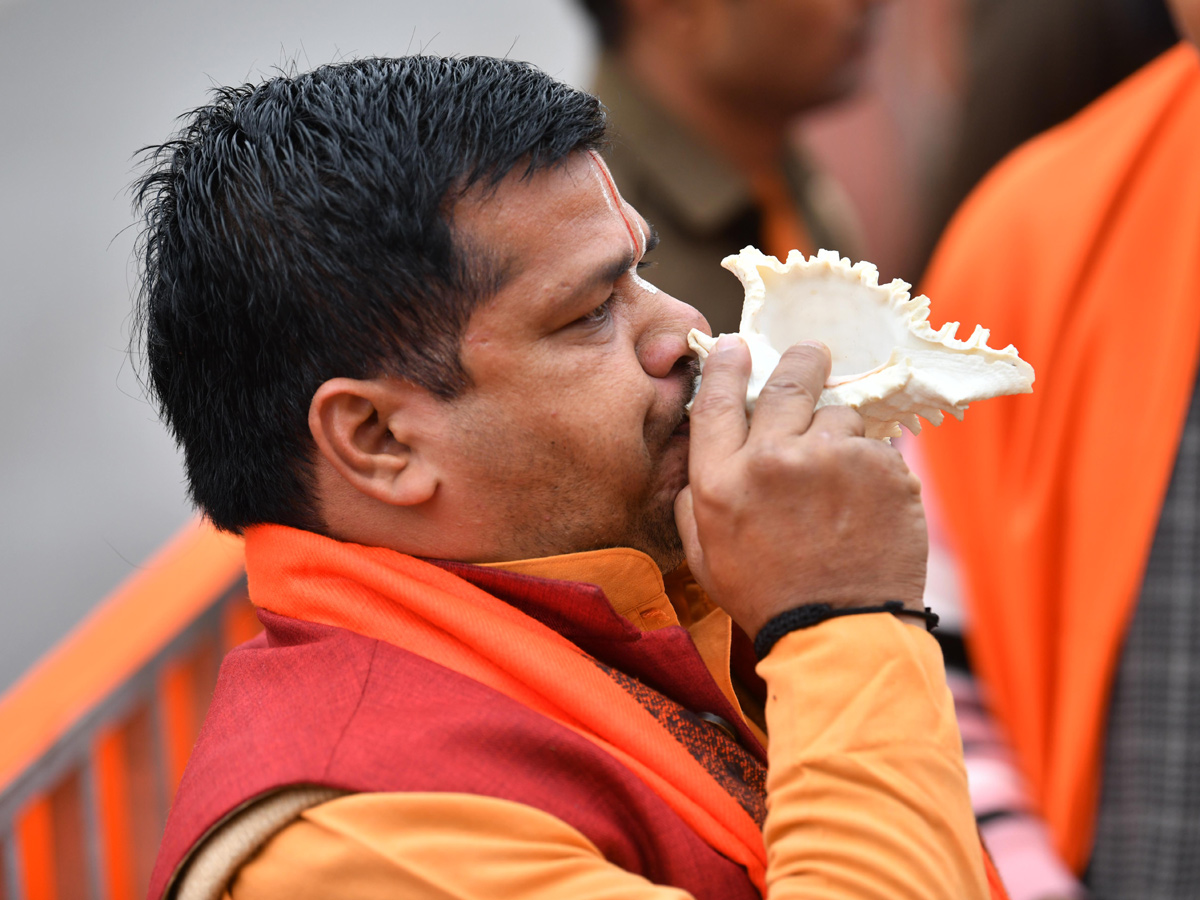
<point x="815" y="613"/>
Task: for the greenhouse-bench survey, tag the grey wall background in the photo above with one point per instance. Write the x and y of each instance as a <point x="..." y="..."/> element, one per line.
<point x="89" y="483"/>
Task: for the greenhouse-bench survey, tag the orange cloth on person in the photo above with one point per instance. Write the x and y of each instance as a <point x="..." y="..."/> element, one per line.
<point x="848" y="769"/>
<point x="1083" y="249"/>
<point x="783" y="229"/>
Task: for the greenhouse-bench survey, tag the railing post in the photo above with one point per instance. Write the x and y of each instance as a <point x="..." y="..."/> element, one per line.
<point x="34" y="834"/>
<point x="92" y="835"/>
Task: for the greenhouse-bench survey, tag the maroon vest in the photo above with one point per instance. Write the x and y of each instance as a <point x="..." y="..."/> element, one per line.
<point x="309" y="704"/>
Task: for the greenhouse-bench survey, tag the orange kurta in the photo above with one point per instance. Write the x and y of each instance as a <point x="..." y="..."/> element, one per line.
<point x="1083" y="249"/>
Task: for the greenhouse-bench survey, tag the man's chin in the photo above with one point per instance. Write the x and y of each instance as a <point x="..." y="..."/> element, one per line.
<point x="665" y="547"/>
<point x="659" y="535"/>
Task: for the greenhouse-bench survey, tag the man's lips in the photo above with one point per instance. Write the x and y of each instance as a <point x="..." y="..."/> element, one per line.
<point x="683" y="429"/>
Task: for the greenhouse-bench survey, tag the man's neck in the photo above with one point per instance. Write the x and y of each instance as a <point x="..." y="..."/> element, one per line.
<point x="751" y="140"/>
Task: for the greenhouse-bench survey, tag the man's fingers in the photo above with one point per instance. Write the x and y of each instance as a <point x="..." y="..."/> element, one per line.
<point x="718" y="427"/>
<point x="685" y="521"/>
<point x="837" y="422"/>
<point x="788" y="399"/>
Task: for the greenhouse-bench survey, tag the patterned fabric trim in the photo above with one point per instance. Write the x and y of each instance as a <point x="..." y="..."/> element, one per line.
<point x="742" y="776"/>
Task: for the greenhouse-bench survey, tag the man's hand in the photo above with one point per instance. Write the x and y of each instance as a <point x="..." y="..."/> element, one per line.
<point x="794" y="508"/>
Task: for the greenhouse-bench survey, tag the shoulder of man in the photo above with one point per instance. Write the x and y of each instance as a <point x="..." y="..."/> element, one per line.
<point x="1031" y="222"/>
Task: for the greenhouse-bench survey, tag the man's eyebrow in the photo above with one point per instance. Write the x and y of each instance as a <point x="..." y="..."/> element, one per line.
<point x="605" y="273"/>
<point x="614" y="269"/>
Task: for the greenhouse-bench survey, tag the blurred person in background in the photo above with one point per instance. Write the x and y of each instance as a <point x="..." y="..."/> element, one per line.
<point x="1031" y="64"/>
<point x="1075" y="516"/>
<point x="702" y="95"/>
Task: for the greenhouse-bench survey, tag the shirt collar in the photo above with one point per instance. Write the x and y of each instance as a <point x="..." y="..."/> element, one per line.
<point x="629" y="579"/>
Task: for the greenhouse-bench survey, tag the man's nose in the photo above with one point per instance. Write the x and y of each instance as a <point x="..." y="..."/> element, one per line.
<point x="663" y="343"/>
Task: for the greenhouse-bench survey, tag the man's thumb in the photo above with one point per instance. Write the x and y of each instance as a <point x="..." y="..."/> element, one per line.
<point x="685" y="521"/>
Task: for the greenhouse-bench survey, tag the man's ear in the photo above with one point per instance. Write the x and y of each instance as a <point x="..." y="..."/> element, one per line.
<point x="370" y="431"/>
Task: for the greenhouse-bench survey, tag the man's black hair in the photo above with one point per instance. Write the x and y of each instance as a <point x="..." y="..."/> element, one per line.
<point x="609" y="16"/>
<point x="302" y="229"/>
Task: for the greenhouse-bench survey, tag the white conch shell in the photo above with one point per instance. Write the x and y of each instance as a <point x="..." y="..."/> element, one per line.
<point x="888" y="363"/>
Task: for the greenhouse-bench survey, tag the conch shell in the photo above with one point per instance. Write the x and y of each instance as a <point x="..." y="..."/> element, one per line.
<point x="888" y="363"/>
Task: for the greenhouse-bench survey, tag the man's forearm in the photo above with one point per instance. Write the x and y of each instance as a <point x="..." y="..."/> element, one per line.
<point x="867" y="792"/>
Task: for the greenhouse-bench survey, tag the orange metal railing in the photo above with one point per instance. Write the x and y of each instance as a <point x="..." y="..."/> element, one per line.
<point x="93" y="740"/>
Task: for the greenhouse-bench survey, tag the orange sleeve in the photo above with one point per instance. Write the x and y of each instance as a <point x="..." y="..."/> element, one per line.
<point x="867" y="789"/>
<point x="868" y="799"/>
<point x="462" y="846"/>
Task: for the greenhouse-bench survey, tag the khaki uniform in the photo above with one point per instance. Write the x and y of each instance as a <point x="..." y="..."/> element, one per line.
<point x="702" y="207"/>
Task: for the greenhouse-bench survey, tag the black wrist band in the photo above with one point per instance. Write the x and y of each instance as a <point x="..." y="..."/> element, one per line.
<point x="816" y="613"/>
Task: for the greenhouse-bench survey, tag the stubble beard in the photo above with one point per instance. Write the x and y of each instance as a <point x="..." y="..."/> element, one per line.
<point x="661" y="540"/>
<point x="649" y="517"/>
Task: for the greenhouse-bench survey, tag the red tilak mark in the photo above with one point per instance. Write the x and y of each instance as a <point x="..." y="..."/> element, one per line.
<point x="612" y="190"/>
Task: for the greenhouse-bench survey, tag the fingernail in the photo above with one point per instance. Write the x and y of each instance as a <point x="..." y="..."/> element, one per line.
<point x="727" y="342"/>
<point x="817" y="344"/>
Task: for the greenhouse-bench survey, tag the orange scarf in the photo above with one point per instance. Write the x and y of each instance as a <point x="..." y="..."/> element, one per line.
<point x="434" y="614"/>
<point x="1083" y="250"/>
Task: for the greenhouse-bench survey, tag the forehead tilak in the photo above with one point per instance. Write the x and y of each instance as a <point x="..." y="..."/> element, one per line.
<point x="612" y="197"/>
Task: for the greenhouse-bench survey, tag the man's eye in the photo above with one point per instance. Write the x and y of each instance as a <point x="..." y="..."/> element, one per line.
<point x="600" y="314"/>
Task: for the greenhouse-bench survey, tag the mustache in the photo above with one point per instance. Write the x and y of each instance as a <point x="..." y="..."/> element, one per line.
<point x="689" y="373"/>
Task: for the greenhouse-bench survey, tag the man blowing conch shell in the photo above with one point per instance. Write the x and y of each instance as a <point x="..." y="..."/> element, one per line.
<point x="392" y="315"/>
